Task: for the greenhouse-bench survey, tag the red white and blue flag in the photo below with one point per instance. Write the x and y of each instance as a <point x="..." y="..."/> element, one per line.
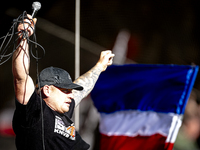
<point x="142" y="106"/>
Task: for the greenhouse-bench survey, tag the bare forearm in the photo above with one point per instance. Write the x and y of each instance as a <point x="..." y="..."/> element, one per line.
<point x="88" y="81"/>
<point x="23" y="83"/>
<point x="21" y="61"/>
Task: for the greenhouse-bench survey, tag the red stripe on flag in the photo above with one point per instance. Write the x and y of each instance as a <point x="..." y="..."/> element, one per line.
<point x="154" y="142"/>
<point x="169" y="146"/>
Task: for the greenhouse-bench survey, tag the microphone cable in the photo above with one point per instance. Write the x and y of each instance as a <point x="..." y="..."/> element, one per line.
<point x="38" y="79"/>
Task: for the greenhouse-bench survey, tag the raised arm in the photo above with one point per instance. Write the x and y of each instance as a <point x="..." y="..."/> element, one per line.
<point x="23" y="83"/>
<point x="89" y="79"/>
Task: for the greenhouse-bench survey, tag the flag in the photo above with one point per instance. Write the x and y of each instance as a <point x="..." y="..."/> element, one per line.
<point x="141" y="106"/>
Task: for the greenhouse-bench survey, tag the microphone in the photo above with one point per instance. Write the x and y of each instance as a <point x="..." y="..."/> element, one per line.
<point x="35" y="6"/>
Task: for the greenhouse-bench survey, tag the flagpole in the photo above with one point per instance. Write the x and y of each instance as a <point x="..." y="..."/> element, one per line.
<point x="77" y="54"/>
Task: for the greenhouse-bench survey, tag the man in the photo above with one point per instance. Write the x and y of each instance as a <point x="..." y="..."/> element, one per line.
<point x="49" y="127"/>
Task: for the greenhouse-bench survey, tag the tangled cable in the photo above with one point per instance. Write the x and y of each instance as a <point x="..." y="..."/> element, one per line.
<point x="13" y="39"/>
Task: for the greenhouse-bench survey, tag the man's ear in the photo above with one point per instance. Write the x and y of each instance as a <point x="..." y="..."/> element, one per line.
<point x="46" y="90"/>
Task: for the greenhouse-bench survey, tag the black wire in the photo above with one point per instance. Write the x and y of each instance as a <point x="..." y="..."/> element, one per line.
<point x="4" y="50"/>
<point x="37" y="72"/>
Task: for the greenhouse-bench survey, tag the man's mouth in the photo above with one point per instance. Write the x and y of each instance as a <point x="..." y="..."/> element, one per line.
<point x="68" y="103"/>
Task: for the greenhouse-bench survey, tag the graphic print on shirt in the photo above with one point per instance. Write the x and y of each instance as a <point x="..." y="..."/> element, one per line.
<point x="60" y="128"/>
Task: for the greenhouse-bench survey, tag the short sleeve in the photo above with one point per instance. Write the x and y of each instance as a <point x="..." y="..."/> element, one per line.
<point x="28" y="114"/>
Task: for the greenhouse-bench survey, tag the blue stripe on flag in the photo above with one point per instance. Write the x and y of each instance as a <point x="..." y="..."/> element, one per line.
<point x="160" y="88"/>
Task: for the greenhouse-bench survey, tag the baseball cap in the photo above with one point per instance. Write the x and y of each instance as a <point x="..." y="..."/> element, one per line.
<point x="57" y="77"/>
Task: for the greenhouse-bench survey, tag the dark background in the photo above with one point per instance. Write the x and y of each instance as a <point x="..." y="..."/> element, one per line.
<point x="162" y="32"/>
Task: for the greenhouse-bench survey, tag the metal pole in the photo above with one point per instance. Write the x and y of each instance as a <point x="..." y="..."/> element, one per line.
<point x="77" y="54"/>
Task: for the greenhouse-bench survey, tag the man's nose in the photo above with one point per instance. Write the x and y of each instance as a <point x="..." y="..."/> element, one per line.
<point x="70" y="95"/>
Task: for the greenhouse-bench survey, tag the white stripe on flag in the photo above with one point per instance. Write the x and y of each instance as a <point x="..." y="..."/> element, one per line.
<point x="132" y="123"/>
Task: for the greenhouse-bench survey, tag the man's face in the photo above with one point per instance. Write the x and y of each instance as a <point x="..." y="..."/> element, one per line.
<point x="60" y="99"/>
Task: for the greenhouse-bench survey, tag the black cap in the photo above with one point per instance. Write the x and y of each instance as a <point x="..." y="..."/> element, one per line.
<point x="57" y="77"/>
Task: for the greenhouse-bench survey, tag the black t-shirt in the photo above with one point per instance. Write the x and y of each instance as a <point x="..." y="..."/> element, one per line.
<point x="59" y="130"/>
